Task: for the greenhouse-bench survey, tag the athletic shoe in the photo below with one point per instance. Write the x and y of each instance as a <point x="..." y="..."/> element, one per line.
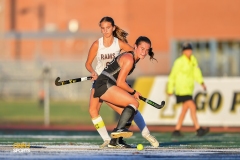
<point x="176" y="133"/>
<point x="121" y="141"/>
<point x="152" y="140"/>
<point x="114" y="143"/>
<point x="105" y="143"/>
<point x="201" y="131"/>
<point x="125" y="133"/>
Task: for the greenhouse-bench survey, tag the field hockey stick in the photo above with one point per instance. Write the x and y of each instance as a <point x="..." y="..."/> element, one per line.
<point x="148" y="101"/>
<point x="60" y="83"/>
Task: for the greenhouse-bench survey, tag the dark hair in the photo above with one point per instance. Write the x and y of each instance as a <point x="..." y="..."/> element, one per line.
<point x="147" y="40"/>
<point x="118" y="32"/>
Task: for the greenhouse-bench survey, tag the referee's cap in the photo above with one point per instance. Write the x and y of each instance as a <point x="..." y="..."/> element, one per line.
<point x="186" y="46"/>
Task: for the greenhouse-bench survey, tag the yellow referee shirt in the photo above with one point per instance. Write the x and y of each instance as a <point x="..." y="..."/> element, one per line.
<point x="183" y="75"/>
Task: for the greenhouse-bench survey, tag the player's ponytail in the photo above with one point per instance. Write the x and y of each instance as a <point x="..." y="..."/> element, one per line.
<point x="151" y="54"/>
<point x="120" y="34"/>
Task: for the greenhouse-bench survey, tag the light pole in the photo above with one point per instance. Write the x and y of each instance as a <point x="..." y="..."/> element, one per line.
<point x="13" y="25"/>
<point x="46" y="78"/>
<point x="13" y="29"/>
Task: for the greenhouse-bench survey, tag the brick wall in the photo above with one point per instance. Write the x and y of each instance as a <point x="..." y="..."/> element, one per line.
<point x="160" y="20"/>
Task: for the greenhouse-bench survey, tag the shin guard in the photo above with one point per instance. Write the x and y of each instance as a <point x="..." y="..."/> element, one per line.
<point x="127" y="114"/>
<point x="129" y="122"/>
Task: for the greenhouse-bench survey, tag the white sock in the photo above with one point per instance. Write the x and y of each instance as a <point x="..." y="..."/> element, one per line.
<point x="100" y="127"/>
<point x="145" y="131"/>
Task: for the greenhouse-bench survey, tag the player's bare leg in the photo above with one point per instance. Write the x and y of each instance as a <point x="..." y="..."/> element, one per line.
<point x="123" y="99"/>
<point x="97" y="120"/>
<point x="94" y="105"/>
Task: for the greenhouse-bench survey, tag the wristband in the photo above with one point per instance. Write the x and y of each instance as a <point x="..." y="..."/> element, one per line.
<point x="133" y="92"/>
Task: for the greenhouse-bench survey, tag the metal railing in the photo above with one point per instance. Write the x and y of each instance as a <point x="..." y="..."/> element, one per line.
<point x="215" y="58"/>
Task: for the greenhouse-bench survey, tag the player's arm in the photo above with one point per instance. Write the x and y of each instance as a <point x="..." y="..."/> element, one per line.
<point x="126" y="63"/>
<point x="172" y="77"/>
<point x="125" y="46"/>
<point x="91" y="55"/>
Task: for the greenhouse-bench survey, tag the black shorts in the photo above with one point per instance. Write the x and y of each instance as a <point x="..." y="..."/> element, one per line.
<point x="181" y="99"/>
<point x="101" y="85"/>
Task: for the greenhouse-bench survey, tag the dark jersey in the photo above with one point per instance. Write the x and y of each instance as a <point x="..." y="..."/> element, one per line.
<point x="109" y="75"/>
<point x="113" y="67"/>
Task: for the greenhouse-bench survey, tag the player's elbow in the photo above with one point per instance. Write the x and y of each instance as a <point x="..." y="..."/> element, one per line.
<point x="87" y="65"/>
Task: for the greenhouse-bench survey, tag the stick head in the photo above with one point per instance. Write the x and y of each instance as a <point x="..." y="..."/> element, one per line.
<point x="162" y="105"/>
<point x="57" y="83"/>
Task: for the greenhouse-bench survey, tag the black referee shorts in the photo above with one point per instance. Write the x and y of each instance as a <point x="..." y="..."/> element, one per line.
<point x="181" y="99"/>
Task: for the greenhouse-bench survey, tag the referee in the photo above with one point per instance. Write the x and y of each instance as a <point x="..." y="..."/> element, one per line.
<point x="184" y="73"/>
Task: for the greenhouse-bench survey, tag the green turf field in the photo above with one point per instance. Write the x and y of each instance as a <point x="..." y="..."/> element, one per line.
<point x="85" y="145"/>
<point x="188" y="141"/>
<point x="45" y="144"/>
<point x="61" y="112"/>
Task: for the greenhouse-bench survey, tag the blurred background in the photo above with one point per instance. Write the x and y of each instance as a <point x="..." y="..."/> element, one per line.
<point x="41" y="40"/>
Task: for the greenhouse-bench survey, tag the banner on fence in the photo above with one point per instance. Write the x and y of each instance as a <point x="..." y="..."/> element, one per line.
<point x="219" y="106"/>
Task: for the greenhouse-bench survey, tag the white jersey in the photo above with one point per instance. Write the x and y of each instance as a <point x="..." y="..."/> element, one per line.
<point x="106" y="54"/>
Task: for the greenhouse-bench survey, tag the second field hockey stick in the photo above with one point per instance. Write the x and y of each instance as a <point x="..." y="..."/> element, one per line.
<point x="148" y="101"/>
<point x="60" y="83"/>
